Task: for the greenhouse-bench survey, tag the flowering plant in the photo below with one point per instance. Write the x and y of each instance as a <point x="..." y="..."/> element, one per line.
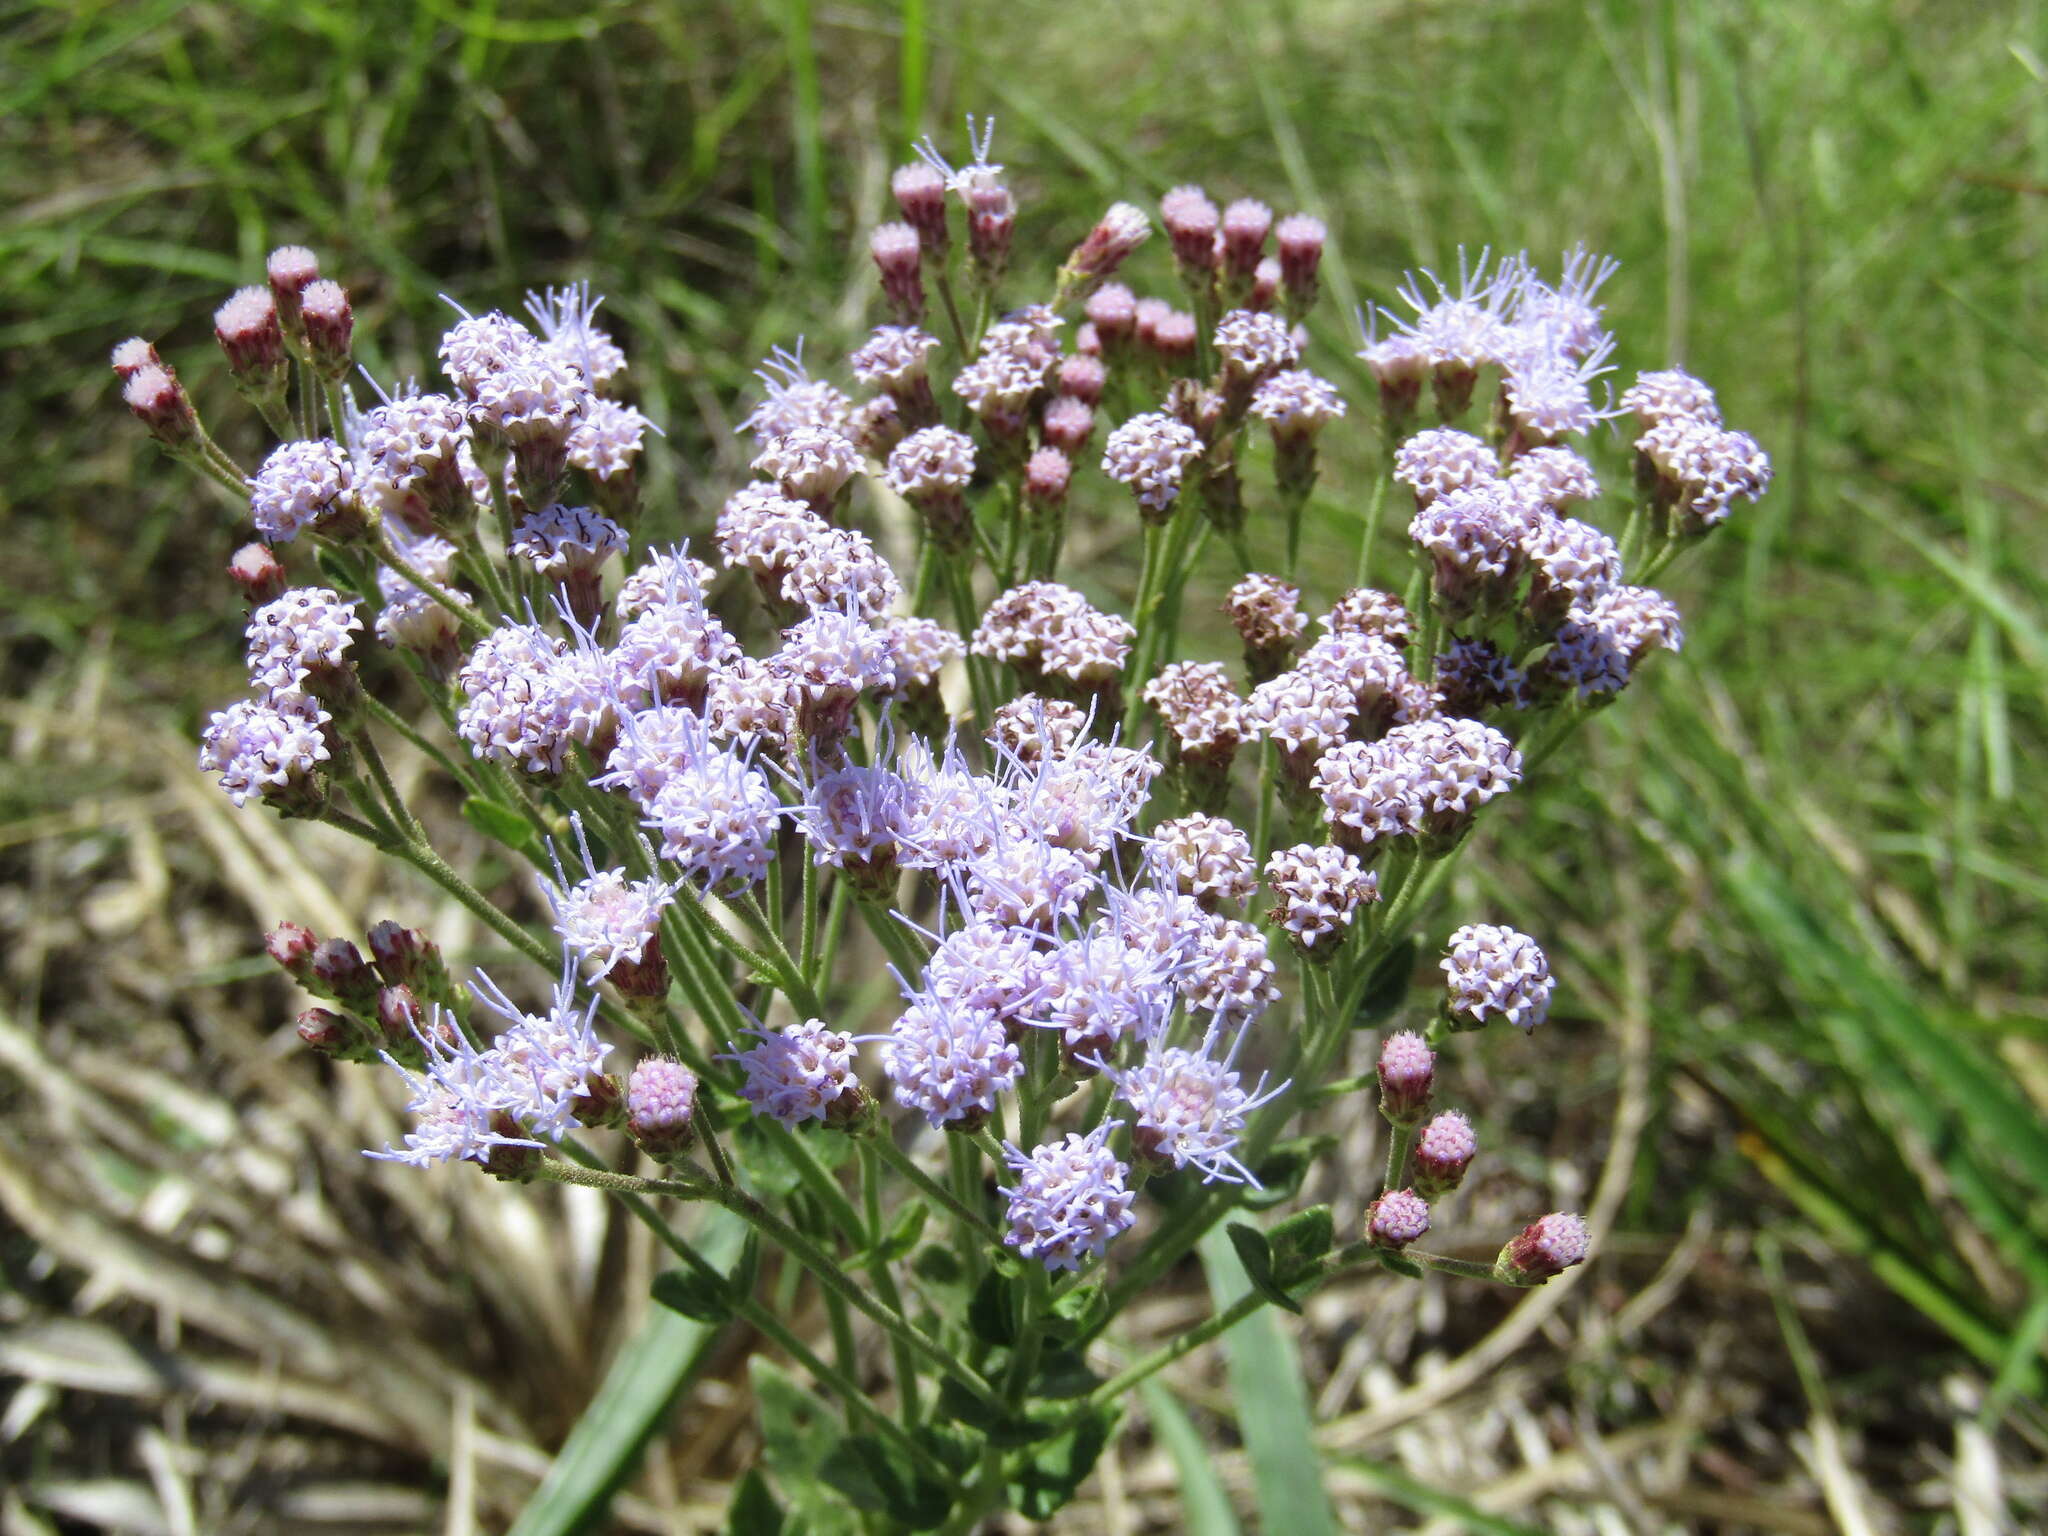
<point x="1137" y="906"/>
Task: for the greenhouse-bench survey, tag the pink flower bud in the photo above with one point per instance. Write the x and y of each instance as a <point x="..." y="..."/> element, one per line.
<point x="259" y="573"/>
<point x="1546" y="1247"/>
<point x="1190" y="220"/>
<point x="920" y="193"/>
<point x="1300" y="237"/>
<point x="1068" y="424"/>
<point x="398" y="1013"/>
<point x="160" y="403"/>
<point x="1396" y="1219"/>
<point x="896" y="248"/>
<point x="247" y="328"/>
<point x="1174" y="336"/>
<point x="991" y="221"/>
<point x="291" y="945"/>
<point x="339" y="970"/>
<point x="324" y="1030"/>
<point x="1088" y="340"/>
<point x="661" y="1108"/>
<point x="1119" y="232"/>
<point x="132" y="356"/>
<point x="289" y="269"/>
<point x="1246" y="223"/>
<point x="1407" y="1070"/>
<point x="330" y="326"/>
<point x="1045" y="479"/>
<point x="1443" y="1152"/>
<point x="1082" y="377"/>
<point x="1113" y="311"/>
<point x="1265" y="286"/>
<point x="406" y="957"/>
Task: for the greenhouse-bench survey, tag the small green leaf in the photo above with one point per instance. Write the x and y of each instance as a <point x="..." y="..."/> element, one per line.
<point x="704" y="1298"/>
<point x="878" y="1477"/>
<point x="1063" y="1373"/>
<point x="1256" y="1255"/>
<point x="500" y="823"/>
<point x="1074" y="1310"/>
<point x="1281" y="1171"/>
<point x="904" y="1233"/>
<point x="1397" y="1264"/>
<point x="798" y="1431"/>
<point x="740" y="1285"/>
<point x="753" y="1511"/>
<point x="991" y="1314"/>
<point x="1299" y="1241"/>
<point x="936" y="1264"/>
<point x="1051" y="1475"/>
<point x="1387" y="986"/>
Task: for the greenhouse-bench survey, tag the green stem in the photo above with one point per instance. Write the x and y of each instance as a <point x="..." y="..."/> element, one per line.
<point x="883" y="1146"/>
<point x="1401" y="1139"/>
<point x="885" y="1277"/>
<point x="822" y="1266"/>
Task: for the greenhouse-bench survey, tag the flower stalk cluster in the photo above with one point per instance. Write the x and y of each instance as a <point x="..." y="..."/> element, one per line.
<point x="1135" y="880"/>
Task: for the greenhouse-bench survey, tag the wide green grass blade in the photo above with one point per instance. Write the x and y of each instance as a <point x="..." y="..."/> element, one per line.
<point x="1204" y="1506"/>
<point x="1272" y="1406"/>
<point x="644" y="1381"/>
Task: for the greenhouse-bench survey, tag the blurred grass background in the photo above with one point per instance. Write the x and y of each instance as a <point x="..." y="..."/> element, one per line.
<point x="1809" y="856"/>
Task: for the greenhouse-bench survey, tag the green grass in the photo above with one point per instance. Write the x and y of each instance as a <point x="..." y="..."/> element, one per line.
<point x="1822" y="820"/>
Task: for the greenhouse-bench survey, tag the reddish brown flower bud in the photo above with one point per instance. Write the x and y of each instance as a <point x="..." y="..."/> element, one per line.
<point x="1407" y="1070"/>
<point x="247" y="328"/>
<point x="132" y="356"/>
<point x="398" y="1013"/>
<point x="1067" y="424"/>
<point x="896" y="248"/>
<point x="324" y="1030"/>
<point x="1113" y="311"/>
<point x="259" y="573"/>
<point x="330" y="327"/>
<point x="292" y="945"/>
<point x="339" y="970"/>
<point x="1246" y="224"/>
<point x="160" y="403"/>
<point x="920" y="193"/>
<point x="1190" y="220"/>
<point x="1300" y="237"/>
<point x="289" y="269"/>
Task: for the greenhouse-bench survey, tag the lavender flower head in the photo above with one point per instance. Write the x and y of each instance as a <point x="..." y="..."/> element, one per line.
<point x="949" y="1060"/>
<point x="1188" y="1108"/>
<point x="302" y="485"/>
<point x="801" y="1073"/>
<point x="1069" y="1200"/>
<point x="1317" y="889"/>
<point x="1492" y="972"/>
<point x="1397" y="1219"/>
<point x="1151" y="453"/>
<point x="270" y="748"/>
<point x="717" y="818"/>
<point x="546" y="1064"/>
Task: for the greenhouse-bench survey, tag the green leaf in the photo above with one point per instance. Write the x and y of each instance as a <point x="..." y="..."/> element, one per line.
<point x="1051" y="1475"/>
<point x="643" y="1381"/>
<point x="798" y="1432"/>
<point x="937" y="1264"/>
<point x="991" y="1315"/>
<point x="704" y="1298"/>
<point x="1387" y="986"/>
<point x="904" y="1232"/>
<point x="1255" y="1257"/>
<point x="1299" y="1241"/>
<point x="875" y="1475"/>
<point x="1204" y="1506"/>
<point x="1272" y="1405"/>
<point x="1282" y="1169"/>
<point x="1063" y="1373"/>
<point x="1073" y="1310"/>
<point x="753" y="1511"/>
<point x="500" y="823"/>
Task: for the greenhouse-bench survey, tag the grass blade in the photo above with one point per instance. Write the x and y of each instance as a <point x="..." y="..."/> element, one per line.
<point x="1425" y="1500"/>
<point x="1204" y="1506"/>
<point x="643" y="1382"/>
<point x="1272" y="1406"/>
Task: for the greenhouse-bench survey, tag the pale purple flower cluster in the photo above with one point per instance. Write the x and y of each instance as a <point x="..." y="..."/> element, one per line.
<point x="1151" y="453"/>
<point x="1492" y="972"/>
<point x="1052" y="629"/>
<point x="1188" y="1108"/>
<point x="1069" y="1200"/>
<point x="1317" y="889"/>
<point x="804" y="1072"/>
<point x="302" y="485"/>
<point x="530" y="1082"/>
<point x="1427" y="778"/>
